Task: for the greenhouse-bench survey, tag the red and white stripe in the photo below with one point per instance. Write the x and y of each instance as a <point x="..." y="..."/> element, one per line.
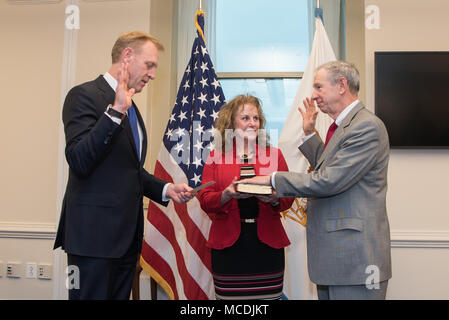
<point x="174" y="251"/>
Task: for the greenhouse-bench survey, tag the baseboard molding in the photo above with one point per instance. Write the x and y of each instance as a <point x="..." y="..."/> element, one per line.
<point x="399" y="238"/>
<point x="419" y="239"/>
<point x="27" y="230"/>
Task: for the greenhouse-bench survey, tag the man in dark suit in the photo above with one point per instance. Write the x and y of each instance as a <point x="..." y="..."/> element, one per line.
<point x="101" y="224"/>
<point x="348" y="234"/>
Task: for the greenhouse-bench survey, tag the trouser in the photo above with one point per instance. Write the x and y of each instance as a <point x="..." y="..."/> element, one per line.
<point x="354" y="292"/>
<point x="104" y="278"/>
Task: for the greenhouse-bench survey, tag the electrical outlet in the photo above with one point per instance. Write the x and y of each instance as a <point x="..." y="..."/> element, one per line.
<point x="31" y="270"/>
<point x="45" y="271"/>
<point x="13" y="269"/>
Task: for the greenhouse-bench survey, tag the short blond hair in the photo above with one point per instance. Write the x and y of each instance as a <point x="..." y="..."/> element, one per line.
<point x="135" y="40"/>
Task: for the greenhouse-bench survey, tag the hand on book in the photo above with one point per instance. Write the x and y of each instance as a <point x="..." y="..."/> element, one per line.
<point x="265" y="181"/>
<point x="261" y="180"/>
<point x="231" y="193"/>
<point x="270" y="198"/>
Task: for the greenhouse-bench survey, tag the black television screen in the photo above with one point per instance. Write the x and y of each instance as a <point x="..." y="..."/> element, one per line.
<point x="412" y="98"/>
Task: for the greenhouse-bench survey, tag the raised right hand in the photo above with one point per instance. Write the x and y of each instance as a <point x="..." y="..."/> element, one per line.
<point x="308" y="116"/>
<point x="123" y="95"/>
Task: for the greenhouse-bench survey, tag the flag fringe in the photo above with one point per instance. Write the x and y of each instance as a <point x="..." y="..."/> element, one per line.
<point x="157" y="277"/>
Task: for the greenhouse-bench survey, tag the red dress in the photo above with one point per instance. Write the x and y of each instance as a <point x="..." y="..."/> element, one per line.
<point x="247" y="258"/>
<point x="225" y="228"/>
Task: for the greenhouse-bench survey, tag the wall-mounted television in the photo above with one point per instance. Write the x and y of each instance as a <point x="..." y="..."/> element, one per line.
<point x="412" y="98"/>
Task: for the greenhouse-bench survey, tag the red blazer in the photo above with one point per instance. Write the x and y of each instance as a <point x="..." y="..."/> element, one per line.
<point x="225" y="228"/>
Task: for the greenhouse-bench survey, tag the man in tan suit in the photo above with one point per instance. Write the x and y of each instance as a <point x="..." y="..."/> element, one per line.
<point x="348" y="236"/>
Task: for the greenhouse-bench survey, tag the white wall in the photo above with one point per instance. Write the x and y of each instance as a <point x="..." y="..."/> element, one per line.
<point x="31" y="61"/>
<point x="32" y="172"/>
<point x="417" y="195"/>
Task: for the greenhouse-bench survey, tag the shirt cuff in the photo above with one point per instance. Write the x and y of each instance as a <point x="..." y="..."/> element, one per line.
<point x="116" y="120"/>
<point x="272" y="180"/>
<point x="305" y="138"/>
<point x="164" y="191"/>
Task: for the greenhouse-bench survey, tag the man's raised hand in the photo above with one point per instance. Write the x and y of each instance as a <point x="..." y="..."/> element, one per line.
<point x="309" y="116"/>
<point x="123" y="95"/>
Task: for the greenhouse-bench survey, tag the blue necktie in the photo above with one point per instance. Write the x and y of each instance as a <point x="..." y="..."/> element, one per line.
<point x="133" y="123"/>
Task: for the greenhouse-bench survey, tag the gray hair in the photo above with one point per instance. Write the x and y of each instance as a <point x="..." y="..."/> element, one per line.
<point x="342" y="69"/>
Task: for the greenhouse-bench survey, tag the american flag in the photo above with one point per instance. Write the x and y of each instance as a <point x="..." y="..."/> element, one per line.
<point x="174" y="250"/>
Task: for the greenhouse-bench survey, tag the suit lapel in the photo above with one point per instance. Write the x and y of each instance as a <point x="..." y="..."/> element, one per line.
<point x="129" y="133"/>
<point x="348" y="119"/>
<point x="107" y="92"/>
<point x="108" y="95"/>
<point x="338" y="134"/>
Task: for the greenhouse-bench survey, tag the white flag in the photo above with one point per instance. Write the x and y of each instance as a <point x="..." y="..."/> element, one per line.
<point x="297" y="284"/>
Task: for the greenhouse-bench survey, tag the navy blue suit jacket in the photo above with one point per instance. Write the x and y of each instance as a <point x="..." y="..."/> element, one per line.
<point x="102" y="209"/>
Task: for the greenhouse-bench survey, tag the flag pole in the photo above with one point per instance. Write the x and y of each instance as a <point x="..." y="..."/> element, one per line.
<point x="319" y="11"/>
<point x="201" y="6"/>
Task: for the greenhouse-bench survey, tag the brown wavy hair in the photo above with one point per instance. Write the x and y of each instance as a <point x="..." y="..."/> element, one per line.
<point x="227" y="115"/>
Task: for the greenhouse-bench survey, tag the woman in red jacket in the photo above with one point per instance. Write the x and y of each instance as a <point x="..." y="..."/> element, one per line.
<point x="246" y="236"/>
